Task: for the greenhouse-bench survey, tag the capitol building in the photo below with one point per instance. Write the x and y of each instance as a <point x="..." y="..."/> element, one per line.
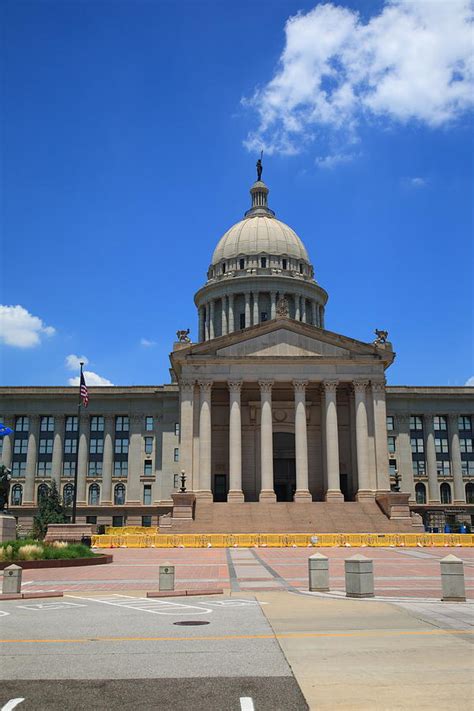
<point x="267" y="407"/>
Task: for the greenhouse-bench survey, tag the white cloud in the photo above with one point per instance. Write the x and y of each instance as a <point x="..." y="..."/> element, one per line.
<point x="413" y="61"/>
<point x="147" y="343"/>
<point x="470" y="381"/>
<point x="416" y="182"/>
<point x="91" y="379"/>
<point x="73" y="362"/>
<point x="20" y="328"/>
<point x="332" y="160"/>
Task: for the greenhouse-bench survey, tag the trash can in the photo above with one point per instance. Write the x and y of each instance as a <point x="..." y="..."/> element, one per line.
<point x="87" y="541"/>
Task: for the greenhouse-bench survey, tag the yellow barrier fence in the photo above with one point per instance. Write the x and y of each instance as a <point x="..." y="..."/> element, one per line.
<point x="151" y="539"/>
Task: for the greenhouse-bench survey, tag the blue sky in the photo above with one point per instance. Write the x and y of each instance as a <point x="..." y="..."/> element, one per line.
<point x="130" y="134"/>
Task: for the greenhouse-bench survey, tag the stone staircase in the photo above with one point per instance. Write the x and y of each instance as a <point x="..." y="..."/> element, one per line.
<point x="317" y="517"/>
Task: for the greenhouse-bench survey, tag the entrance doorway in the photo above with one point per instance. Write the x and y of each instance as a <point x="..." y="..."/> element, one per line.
<point x="220" y="487"/>
<point x="284" y="468"/>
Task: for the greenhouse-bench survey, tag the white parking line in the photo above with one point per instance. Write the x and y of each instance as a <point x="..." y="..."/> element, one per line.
<point x="246" y="703"/>
<point x="11" y="704"/>
<point x="3" y="614"/>
<point x="143" y="604"/>
<point x="50" y="605"/>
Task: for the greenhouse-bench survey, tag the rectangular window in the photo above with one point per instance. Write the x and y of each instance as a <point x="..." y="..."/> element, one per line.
<point x="71" y="423"/>
<point x="121" y="445"/>
<point x="241" y="263"/>
<point x="146" y="521"/>
<point x="442" y="467"/>
<point x="147" y="494"/>
<point x="97" y="423"/>
<point x="263" y="262"/>
<point x="47" y="424"/>
<point x="117" y="521"/>
<point x="95" y="469"/>
<point x="147" y="468"/>
<point x="70" y="446"/>
<point x="120" y="468"/>
<point x="44" y="469"/>
<point x="46" y="446"/>
<point x="121" y="423"/>
<point x="22" y="424"/>
<point x="96" y="445"/>
<point x="176" y="481"/>
<point x="176" y="454"/>
<point x="417" y="444"/>
<point x="242" y="320"/>
<point x="284" y="264"/>
<point x="20" y="446"/>
<point x="418" y="468"/>
<point x="391" y="444"/>
<point x="440" y="422"/>
<point x="69" y="468"/>
<point x="390" y="423"/>
<point x="465" y="445"/>
<point x="416" y="422"/>
<point x="149" y="424"/>
<point x="176" y="429"/>
<point x="148" y="445"/>
<point x="464" y="423"/>
<point x="301" y="268"/>
<point x="392" y="466"/>
<point x="466" y="465"/>
<point x="91" y="519"/>
<point x="441" y="445"/>
<point x="18" y="468"/>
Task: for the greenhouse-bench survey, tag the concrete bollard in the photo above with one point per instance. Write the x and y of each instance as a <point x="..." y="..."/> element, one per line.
<point x="452" y="579"/>
<point x="359" y="572"/>
<point x="12" y="580"/>
<point x="318" y="572"/>
<point x="166" y="577"/>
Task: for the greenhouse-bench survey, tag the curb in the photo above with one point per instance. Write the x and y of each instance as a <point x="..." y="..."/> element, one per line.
<point x="29" y="596"/>
<point x="185" y="593"/>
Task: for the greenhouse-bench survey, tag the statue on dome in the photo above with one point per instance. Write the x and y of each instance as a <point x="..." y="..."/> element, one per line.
<point x="259" y="167"/>
<point x="183" y="336"/>
<point x="381" y="337"/>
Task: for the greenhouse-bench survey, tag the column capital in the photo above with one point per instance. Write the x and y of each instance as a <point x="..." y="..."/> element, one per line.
<point x="231" y="298"/>
<point x="360" y="385"/>
<point x="330" y="386"/>
<point x="84" y="419"/>
<point x="378" y="386"/>
<point x="136" y="418"/>
<point x="266" y="385"/>
<point x="234" y="386"/>
<point x="34" y="419"/>
<point x="300" y="386"/>
<point x="402" y="417"/>
<point x="453" y="419"/>
<point x="205" y="385"/>
<point x="187" y="384"/>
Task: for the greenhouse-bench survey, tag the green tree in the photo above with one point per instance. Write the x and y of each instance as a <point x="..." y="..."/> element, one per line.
<point x="50" y="510"/>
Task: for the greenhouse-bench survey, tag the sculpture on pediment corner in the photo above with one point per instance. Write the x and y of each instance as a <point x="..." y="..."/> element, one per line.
<point x="282" y="307"/>
<point x="381" y="337"/>
<point x="183" y="336"/>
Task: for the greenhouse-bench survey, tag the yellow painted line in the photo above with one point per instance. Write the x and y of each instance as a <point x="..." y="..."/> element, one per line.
<point x="220" y="638"/>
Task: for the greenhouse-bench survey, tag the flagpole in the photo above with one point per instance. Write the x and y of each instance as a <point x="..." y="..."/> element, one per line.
<point x="79" y="406"/>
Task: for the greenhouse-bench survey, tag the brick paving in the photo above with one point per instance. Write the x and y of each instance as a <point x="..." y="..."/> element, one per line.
<point x="399" y="572"/>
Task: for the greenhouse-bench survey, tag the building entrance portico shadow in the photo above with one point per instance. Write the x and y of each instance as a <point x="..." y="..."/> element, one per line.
<point x="284" y="466"/>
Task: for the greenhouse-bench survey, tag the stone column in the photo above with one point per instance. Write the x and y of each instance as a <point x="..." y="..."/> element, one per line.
<point x="58" y="448"/>
<point x="433" y="487"/>
<point x="202" y="324"/>
<point x="273" y="297"/>
<point x="204" y="491"/>
<point x="459" y="494"/>
<point x="224" y="316"/>
<point x="235" y="443"/>
<point x="301" y="442"/>
<point x="7" y="450"/>
<point x="362" y="436"/>
<point x="314" y="317"/>
<point x="267" y="493"/>
<point x="208" y="322"/>
<point x="333" y="492"/>
<point x="135" y="459"/>
<point x="256" y="312"/>
<point x="304" y="316"/>
<point x="297" y="308"/>
<point x="31" y="459"/>
<point x="247" y="309"/>
<point x="82" y="459"/>
<point x="211" y="317"/>
<point x="231" y="326"/>
<point x="404" y="458"/>
<point x="186" y="428"/>
<point x="321" y="317"/>
<point x="108" y="460"/>
<point x="380" y="427"/>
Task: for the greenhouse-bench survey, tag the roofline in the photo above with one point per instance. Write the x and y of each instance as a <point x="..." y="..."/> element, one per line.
<point x="98" y="390"/>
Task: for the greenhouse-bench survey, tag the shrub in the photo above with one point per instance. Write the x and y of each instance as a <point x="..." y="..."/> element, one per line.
<point x="35" y="550"/>
<point x="31" y="551"/>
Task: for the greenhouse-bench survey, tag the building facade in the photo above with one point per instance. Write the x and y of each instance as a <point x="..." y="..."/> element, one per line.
<point x="268" y="405"/>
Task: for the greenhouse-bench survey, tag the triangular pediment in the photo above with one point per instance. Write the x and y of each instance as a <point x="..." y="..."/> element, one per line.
<point x="283" y="343"/>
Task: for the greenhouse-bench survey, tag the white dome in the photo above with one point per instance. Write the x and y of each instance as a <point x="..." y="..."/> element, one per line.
<point x="259" y="235"/>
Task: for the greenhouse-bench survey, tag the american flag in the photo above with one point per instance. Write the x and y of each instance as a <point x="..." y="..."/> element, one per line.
<point x="84" y="393"/>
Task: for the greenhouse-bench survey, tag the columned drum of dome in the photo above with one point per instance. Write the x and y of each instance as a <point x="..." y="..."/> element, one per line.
<point x="259" y="261"/>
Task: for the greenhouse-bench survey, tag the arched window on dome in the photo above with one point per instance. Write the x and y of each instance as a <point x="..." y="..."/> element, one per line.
<point x="445" y="491"/>
<point x="119" y="494"/>
<point x="241" y="263"/>
<point x="17" y="495"/>
<point x="420" y="493"/>
<point x="284" y="264"/>
<point x="470" y="493"/>
<point x="94" y="494"/>
<point x="223" y="267"/>
<point x="263" y="262"/>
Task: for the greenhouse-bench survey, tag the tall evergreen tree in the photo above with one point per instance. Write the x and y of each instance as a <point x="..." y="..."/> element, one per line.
<point x="50" y="510"/>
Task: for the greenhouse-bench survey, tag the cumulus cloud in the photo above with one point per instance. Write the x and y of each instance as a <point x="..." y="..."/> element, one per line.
<point x="411" y="62"/>
<point x="73" y="362"/>
<point x="20" y="328"/>
<point x="146" y="343"/>
<point x="415" y="182"/>
<point x="470" y="381"/>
